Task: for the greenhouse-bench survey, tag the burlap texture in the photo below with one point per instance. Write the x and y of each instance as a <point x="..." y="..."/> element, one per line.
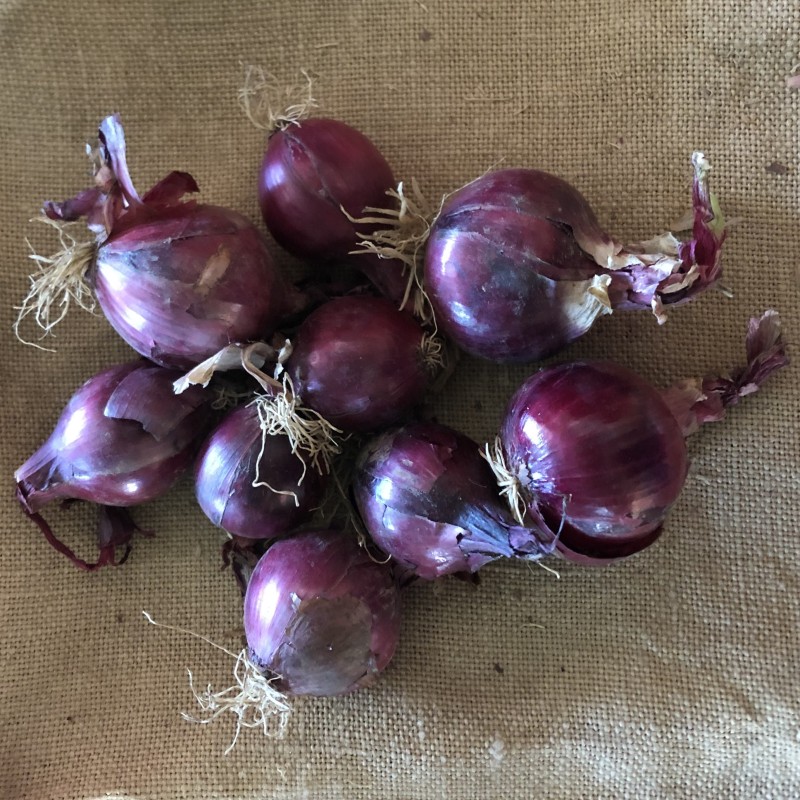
<point x="671" y="676"/>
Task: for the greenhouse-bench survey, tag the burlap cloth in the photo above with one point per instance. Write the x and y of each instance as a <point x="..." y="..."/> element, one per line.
<point x="671" y="676"/>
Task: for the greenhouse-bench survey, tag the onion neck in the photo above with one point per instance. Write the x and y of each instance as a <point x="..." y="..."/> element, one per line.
<point x="490" y="532"/>
<point x="696" y="401"/>
<point x="39" y="480"/>
<point x="665" y="271"/>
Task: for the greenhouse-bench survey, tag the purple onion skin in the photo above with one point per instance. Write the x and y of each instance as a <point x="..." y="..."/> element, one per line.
<point x="114" y="460"/>
<point x="310" y="171"/>
<point x="180" y="284"/>
<point x="597" y="448"/>
<point x="320" y="615"/>
<point x="225" y="471"/>
<point x="429" y="500"/>
<point x="500" y="263"/>
<point x="357" y="361"/>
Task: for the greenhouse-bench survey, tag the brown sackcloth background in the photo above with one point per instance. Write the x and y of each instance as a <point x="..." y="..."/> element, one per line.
<point x="674" y="675"/>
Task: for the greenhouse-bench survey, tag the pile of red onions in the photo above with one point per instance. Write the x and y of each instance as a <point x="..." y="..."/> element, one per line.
<point x="356" y="365"/>
<point x="590" y="455"/>
<point x="588" y="462"/>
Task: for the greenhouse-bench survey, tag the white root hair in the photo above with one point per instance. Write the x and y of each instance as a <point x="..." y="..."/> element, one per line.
<point x="271" y="105"/>
<point x="311" y="436"/>
<point x="401" y="233"/>
<point x="434" y="353"/>
<point x="59" y="281"/>
<point x="509" y="484"/>
<point x="253" y="700"/>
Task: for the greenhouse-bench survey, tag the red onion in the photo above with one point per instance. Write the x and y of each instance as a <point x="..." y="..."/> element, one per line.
<point x="314" y="170"/>
<point x="177" y="280"/>
<point x="311" y="171"/>
<point x="517" y="266"/>
<point x="123" y="438"/>
<point x="429" y="499"/>
<point x="252" y="484"/>
<point x="600" y="453"/>
<point x="320" y="616"/>
<point x="360" y="363"/>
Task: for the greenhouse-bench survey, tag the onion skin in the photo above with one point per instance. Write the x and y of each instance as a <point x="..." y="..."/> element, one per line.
<point x="320" y="615"/>
<point x="358" y="362"/>
<point x="429" y="500"/>
<point x="226" y="469"/>
<point x="517" y="265"/>
<point x="598" y="453"/>
<point x="110" y="449"/>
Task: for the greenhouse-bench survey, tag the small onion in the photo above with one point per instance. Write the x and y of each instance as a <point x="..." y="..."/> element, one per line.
<point x="320" y="616"/>
<point x="429" y="499"/>
<point x="318" y="177"/>
<point x="310" y="172"/>
<point x="123" y="439"/>
<point x="360" y="363"/>
<point x="252" y="485"/>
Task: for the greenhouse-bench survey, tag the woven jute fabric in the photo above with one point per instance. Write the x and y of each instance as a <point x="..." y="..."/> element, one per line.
<point x="673" y="675"/>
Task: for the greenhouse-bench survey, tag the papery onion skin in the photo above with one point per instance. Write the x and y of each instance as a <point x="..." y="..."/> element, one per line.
<point x="429" y="500"/>
<point x="226" y="469"/>
<point x="358" y="362"/>
<point x="320" y="615"/>
<point x="599" y="453"/>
